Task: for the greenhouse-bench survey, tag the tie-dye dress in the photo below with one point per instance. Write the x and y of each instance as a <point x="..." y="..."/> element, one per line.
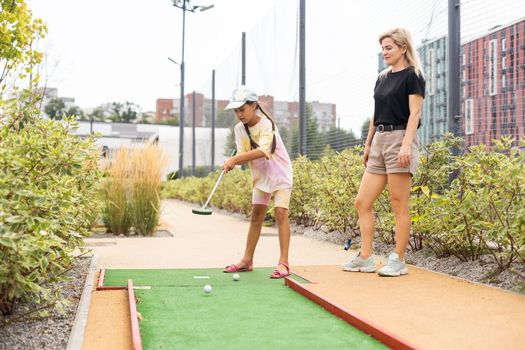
<point x="274" y="171"/>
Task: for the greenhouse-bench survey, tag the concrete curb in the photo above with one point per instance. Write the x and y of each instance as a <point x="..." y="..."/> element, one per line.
<point x="76" y="336"/>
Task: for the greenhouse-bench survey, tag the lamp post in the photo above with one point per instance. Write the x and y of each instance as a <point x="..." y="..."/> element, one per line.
<point x="184" y="5"/>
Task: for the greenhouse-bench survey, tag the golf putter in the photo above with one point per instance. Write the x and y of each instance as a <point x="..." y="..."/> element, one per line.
<point x="204" y="210"/>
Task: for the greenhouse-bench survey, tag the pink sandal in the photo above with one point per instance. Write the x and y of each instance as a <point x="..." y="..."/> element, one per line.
<point x="234" y="268"/>
<point x="279" y="274"/>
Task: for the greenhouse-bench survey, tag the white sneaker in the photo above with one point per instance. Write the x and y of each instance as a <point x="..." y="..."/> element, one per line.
<point x="360" y="265"/>
<point x="394" y="267"/>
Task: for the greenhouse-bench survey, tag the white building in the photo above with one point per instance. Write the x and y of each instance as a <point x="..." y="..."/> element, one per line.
<point x="114" y="135"/>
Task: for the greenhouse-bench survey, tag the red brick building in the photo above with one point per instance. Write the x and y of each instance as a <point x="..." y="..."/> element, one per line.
<point x="493" y="86"/>
<point x="164" y="109"/>
<point x="285" y="113"/>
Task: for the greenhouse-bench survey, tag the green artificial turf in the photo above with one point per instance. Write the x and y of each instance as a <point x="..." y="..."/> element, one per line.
<point x="253" y="313"/>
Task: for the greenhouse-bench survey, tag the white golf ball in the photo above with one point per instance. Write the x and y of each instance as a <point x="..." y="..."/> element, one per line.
<point x="236" y="277"/>
<point x="207" y="289"/>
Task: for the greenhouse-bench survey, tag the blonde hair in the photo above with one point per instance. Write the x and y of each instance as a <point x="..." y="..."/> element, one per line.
<point x="402" y="37"/>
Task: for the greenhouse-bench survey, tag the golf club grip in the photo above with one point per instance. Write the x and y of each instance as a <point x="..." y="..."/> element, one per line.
<point x="214" y="188"/>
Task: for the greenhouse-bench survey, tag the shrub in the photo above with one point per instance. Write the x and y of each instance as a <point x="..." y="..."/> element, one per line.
<point x="431" y="179"/>
<point x="481" y="212"/>
<point x="301" y="211"/>
<point x="337" y="186"/>
<point x="46" y="205"/>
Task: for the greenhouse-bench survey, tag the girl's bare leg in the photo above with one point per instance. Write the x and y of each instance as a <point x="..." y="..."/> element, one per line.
<point x="254" y="232"/>
<point x="283" y="226"/>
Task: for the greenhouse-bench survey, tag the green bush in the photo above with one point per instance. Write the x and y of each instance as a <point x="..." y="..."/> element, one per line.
<point x="336" y="188"/>
<point x="431" y="179"/>
<point x="233" y="193"/>
<point x="200" y="171"/>
<point x="46" y="204"/>
<point x="481" y="212"/>
<point x="303" y="187"/>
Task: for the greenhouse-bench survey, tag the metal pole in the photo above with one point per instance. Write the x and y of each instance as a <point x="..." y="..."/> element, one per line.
<point x="243" y="76"/>
<point x="213" y="120"/>
<point x="181" y="104"/>
<point x="302" y="96"/>
<point x="184" y="7"/>
<point x="454" y="51"/>
<point x="193" y="135"/>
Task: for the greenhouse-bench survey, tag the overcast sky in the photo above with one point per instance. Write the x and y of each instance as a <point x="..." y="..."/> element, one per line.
<point x="102" y="51"/>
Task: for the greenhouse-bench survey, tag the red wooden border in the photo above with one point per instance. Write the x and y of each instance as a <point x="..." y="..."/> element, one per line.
<point x="101" y="286"/>
<point x="384" y="336"/>
<point x="304" y="278"/>
<point x="101" y="277"/>
<point x="135" y="332"/>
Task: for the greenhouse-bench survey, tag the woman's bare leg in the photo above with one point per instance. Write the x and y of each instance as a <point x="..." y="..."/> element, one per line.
<point x="399" y="186"/>
<point x="371" y="187"/>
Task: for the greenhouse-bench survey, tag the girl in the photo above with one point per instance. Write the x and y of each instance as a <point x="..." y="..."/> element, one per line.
<point x="259" y="143"/>
<point x="391" y="149"/>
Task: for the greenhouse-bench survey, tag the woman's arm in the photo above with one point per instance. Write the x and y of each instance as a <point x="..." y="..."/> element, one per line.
<point x="371" y="132"/>
<point x="369" y="137"/>
<point x="242" y="158"/>
<point x="414" y="103"/>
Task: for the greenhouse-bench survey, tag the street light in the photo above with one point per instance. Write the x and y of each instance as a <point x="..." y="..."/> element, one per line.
<point x="184" y="5"/>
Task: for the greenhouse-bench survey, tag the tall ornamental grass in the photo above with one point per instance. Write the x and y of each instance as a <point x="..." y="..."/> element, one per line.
<point x="132" y="189"/>
<point x="117" y="213"/>
<point x="145" y="175"/>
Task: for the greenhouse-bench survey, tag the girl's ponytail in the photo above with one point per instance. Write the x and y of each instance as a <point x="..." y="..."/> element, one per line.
<point x="253" y="144"/>
<point x="274" y="141"/>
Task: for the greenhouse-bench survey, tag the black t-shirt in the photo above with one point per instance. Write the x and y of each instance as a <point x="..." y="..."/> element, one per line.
<point x="391" y="96"/>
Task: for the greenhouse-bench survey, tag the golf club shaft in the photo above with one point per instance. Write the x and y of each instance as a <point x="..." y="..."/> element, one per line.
<point x="214" y="188"/>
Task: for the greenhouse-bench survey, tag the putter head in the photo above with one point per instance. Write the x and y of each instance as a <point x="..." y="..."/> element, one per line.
<point x="201" y="211"/>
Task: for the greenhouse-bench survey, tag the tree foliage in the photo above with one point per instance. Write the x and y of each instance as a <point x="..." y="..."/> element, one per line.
<point x="126" y="112"/>
<point x="19" y="32"/>
<point x="55" y="108"/>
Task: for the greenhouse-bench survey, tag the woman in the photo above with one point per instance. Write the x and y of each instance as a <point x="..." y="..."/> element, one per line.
<point x="391" y="150"/>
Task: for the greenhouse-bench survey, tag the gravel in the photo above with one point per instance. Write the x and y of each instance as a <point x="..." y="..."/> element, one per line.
<point x="483" y="271"/>
<point x="52" y="332"/>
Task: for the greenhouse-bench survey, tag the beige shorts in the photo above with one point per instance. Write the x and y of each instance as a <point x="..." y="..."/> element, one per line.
<point x="281" y="198"/>
<point x="385" y="150"/>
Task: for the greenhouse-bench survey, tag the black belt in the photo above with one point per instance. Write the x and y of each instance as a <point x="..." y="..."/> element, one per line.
<point x="389" y="127"/>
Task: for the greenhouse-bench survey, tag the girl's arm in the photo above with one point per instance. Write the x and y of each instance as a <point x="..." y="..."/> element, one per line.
<point x="242" y="158"/>
<point x="414" y="103"/>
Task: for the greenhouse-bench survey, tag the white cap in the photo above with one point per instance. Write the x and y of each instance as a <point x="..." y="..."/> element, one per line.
<point x="240" y="96"/>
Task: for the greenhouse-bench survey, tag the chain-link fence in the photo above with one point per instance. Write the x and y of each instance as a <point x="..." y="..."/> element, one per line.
<point x="343" y="58"/>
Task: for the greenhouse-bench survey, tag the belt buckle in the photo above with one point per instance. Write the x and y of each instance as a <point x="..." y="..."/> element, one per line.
<point x="380" y="128"/>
